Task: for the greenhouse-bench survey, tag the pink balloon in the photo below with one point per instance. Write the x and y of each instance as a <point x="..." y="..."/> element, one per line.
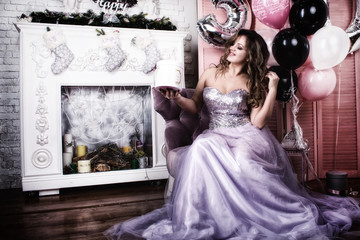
<point x="272" y="13"/>
<point x="315" y="85"/>
<point x="268" y="35"/>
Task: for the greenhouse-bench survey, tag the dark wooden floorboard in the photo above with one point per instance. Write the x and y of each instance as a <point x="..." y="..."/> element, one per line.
<point x="84" y="213"/>
<point x="77" y="213"/>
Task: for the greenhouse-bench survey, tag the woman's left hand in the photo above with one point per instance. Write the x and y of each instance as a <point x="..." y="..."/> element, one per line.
<point x="273" y="80"/>
<point x="170" y="93"/>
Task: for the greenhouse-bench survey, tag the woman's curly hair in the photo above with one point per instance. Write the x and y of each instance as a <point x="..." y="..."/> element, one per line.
<point x="256" y="66"/>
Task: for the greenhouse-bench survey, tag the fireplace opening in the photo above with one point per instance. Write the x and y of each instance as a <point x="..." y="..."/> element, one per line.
<point x="106" y="128"/>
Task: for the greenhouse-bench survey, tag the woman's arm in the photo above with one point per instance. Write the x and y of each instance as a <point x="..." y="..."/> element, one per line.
<point x="194" y="104"/>
<point x="259" y="116"/>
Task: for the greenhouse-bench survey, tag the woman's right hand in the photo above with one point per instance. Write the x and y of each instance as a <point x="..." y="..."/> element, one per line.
<point x="273" y="80"/>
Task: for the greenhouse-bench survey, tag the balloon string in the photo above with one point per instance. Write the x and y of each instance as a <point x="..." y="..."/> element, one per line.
<point x="300" y="143"/>
<point x="305" y="155"/>
<point x="337" y="117"/>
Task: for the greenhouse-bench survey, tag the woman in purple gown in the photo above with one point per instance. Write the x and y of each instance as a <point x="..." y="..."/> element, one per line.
<point x="235" y="181"/>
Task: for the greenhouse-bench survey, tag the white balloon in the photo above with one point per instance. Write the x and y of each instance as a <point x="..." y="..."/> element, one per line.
<point x="329" y="47"/>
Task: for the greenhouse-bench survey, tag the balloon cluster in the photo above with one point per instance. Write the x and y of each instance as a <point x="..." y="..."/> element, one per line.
<point x="311" y="41"/>
<point x="291" y="46"/>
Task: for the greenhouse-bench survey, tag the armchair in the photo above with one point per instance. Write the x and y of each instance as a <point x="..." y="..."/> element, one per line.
<point x="181" y="127"/>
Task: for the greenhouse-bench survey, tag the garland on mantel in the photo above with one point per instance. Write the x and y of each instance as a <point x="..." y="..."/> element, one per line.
<point x="92" y="19"/>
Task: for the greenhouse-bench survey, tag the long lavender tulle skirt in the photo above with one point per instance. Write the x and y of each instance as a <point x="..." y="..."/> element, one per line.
<point x="237" y="183"/>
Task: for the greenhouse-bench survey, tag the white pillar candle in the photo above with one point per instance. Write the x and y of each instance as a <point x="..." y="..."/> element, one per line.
<point x="67" y="158"/>
<point x="84" y="166"/>
<point x="143" y="162"/>
<point x="68" y="143"/>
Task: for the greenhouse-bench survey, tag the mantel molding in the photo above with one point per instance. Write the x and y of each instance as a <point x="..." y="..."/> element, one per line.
<point x="159" y="33"/>
<point x="85" y="65"/>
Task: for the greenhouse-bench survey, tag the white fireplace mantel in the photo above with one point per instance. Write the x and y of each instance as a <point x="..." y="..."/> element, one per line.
<point x="41" y="134"/>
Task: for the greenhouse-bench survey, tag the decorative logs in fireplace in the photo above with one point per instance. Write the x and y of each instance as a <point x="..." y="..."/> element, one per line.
<point x="108" y="157"/>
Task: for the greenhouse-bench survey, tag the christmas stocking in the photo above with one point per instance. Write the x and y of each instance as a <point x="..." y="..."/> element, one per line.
<point x="116" y="55"/>
<point x="152" y="57"/>
<point x="55" y="41"/>
<point x="146" y="44"/>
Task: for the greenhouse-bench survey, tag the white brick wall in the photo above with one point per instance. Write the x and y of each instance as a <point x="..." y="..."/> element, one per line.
<point x="10" y="162"/>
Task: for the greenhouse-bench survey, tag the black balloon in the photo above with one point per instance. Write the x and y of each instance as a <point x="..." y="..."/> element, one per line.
<point x="284" y="87"/>
<point x="308" y="16"/>
<point x="290" y="48"/>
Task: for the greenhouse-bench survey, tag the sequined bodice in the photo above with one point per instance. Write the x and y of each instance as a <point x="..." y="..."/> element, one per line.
<point x="226" y="110"/>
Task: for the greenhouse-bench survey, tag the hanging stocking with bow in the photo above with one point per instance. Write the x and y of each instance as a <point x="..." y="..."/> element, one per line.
<point x="145" y="43"/>
<point x="110" y="43"/>
<point x="55" y="41"/>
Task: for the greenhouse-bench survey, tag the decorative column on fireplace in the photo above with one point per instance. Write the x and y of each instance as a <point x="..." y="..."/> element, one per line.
<point x="89" y="88"/>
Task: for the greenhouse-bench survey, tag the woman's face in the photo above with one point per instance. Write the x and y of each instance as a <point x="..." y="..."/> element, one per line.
<point x="237" y="54"/>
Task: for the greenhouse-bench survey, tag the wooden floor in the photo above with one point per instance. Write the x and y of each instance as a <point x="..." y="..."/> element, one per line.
<point x="77" y="213"/>
<point x="83" y="213"/>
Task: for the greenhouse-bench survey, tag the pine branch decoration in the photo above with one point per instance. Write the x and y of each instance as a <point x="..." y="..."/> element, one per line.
<point x="92" y="19"/>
